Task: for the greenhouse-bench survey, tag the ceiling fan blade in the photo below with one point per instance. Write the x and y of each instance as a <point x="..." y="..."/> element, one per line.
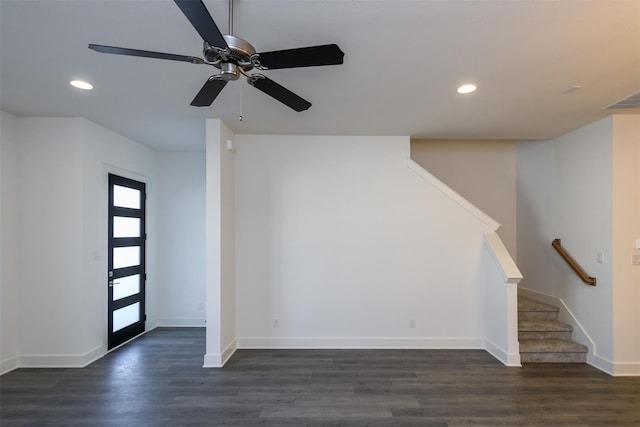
<point x="208" y="92"/>
<point x="144" y="53"/>
<point x="197" y="13"/>
<point x="312" y="56"/>
<point x="278" y="92"/>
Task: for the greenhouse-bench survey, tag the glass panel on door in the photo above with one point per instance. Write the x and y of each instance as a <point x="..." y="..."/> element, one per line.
<point x="125" y="197"/>
<point x="126" y="316"/>
<point x="127" y="256"/>
<point x="126" y="226"/>
<point x="126" y="286"/>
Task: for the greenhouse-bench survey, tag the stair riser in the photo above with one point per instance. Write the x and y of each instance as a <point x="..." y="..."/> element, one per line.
<point x="544" y="335"/>
<point x="553" y="357"/>
<point x="538" y="315"/>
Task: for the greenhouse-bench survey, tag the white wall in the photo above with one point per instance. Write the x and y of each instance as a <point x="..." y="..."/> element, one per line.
<point x="537" y="218"/>
<point x="61" y="203"/>
<point x="482" y="171"/>
<point x="339" y="244"/>
<point x="220" y="243"/>
<point x="107" y="152"/>
<point x="584" y="189"/>
<point x="181" y="238"/>
<point x="626" y="232"/>
<point x="566" y="190"/>
<point x="228" y="242"/>
<point x="9" y="348"/>
<point x="50" y="226"/>
<point x="54" y="198"/>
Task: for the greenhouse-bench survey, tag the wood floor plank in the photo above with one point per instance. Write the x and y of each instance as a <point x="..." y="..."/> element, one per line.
<point x="158" y="380"/>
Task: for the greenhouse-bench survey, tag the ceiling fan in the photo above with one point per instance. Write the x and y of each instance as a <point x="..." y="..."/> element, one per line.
<point x="234" y="56"/>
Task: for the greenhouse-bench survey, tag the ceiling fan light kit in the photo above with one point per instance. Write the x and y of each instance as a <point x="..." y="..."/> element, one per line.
<point x="234" y="57"/>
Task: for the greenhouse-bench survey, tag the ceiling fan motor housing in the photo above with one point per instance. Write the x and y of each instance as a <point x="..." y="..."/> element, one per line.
<point x="231" y="61"/>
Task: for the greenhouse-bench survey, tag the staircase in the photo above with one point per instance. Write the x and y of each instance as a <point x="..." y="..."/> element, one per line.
<point x="544" y="339"/>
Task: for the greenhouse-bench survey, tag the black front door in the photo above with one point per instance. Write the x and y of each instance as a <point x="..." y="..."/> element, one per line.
<point x="127" y="275"/>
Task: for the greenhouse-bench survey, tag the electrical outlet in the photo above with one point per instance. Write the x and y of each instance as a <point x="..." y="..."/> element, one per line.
<point x="635" y="259"/>
<point x="412" y="323"/>
<point x="600" y="257"/>
<point x="276" y="323"/>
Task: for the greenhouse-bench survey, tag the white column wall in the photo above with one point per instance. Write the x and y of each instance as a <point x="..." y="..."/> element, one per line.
<point x="626" y="237"/>
<point x="220" y="243"/>
<point x="228" y="239"/>
<point x="9" y="346"/>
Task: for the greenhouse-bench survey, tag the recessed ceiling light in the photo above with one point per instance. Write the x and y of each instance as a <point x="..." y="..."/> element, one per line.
<point x="80" y="84"/>
<point x="467" y="88"/>
<point x="572" y="89"/>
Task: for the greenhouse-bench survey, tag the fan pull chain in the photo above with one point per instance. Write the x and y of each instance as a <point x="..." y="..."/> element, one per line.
<point x="240" y="118"/>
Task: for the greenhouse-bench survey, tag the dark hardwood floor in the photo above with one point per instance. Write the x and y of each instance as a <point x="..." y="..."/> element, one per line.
<point x="158" y="380"/>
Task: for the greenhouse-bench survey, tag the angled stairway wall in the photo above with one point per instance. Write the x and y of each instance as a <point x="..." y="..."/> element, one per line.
<point x="339" y="244"/>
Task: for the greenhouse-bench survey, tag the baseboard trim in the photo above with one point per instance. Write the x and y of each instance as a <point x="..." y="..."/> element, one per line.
<point x="228" y="352"/>
<point x="599" y="362"/>
<point x="218" y="360"/>
<point x="9" y="365"/>
<point x="615" y="369"/>
<point x="181" y="322"/>
<point x="358" y="343"/>
<point x="212" y="360"/>
<point x="61" y="360"/>
<point x="629" y="369"/>
<point x="507" y="359"/>
<point x="150" y="325"/>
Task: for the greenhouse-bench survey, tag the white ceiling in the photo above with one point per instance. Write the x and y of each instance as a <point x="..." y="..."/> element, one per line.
<point x="403" y="62"/>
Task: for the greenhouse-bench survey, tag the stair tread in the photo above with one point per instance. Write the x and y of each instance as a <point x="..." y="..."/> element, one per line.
<point x="551" y="346"/>
<point x="528" y="304"/>
<point x="543" y="326"/>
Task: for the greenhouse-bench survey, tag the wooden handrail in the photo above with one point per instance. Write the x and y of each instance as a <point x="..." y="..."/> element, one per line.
<point x="573" y="264"/>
